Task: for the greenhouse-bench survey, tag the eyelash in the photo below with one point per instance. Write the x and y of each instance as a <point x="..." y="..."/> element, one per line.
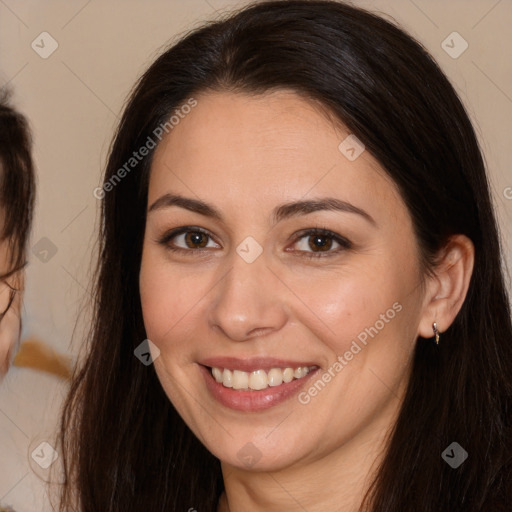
<point x="343" y="242"/>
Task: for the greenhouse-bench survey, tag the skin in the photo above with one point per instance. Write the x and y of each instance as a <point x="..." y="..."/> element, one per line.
<point x="10" y="325"/>
<point x="245" y="155"/>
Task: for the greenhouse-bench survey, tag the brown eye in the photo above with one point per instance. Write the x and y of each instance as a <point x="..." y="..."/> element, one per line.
<point x="195" y="238"/>
<point x="320" y="242"/>
<point x="188" y="239"/>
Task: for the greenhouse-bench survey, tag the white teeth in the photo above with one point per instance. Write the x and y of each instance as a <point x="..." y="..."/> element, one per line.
<point x="240" y="380"/>
<point x="275" y="377"/>
<point x="258" y="379"/>
<point x="288" y="374"/>
<point x="217" y="373"/>
<point x="227" y="378"/>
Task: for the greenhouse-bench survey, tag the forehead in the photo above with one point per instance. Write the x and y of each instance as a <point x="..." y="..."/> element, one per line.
<point x="262" y="149"/>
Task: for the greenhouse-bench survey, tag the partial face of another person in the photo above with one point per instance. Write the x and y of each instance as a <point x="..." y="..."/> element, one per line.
<point x="253" y="285"/>
<point x="10" y="308"/>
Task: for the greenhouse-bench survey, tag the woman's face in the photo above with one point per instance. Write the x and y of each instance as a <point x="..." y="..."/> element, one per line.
<point x="255" y="292"/>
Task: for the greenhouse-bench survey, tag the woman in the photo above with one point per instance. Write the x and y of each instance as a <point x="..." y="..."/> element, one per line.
<point x="297" y="232"/>
<point x="17" y="190"/>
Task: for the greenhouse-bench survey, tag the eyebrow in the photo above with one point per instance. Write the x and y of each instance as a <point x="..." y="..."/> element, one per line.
<point x="281" y="212"/>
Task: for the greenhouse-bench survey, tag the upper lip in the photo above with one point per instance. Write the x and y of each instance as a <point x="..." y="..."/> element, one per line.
<point x="252" y="364"/>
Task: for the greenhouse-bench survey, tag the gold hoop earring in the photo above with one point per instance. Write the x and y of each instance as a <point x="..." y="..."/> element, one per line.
<point x="436" y="332"/>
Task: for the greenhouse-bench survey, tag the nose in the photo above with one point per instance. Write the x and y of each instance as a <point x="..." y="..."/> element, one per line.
<point x="249" y="301"/>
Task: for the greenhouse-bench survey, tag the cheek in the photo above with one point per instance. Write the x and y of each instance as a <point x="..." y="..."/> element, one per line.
<point x="346" y="304"/>
<point x="170" y="299"/>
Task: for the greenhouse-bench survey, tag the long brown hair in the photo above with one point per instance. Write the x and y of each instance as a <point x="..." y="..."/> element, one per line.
<point x="124" y="446"/>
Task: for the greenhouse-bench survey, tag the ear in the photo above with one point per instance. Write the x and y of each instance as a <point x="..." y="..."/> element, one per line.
<point x="446" y="290"/>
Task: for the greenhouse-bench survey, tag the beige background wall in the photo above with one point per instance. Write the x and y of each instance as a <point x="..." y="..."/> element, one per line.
<point x="73" y="99"/>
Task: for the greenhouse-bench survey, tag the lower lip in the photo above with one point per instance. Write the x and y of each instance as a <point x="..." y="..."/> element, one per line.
<point x="253" y="400"/>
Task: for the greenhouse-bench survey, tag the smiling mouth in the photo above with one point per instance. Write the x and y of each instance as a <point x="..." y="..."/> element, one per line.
<point x="258" y="380"/>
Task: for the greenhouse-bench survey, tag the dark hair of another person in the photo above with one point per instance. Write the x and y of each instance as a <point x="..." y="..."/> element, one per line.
<point x="125" y="446"/>
<point x="17" y="180"/>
